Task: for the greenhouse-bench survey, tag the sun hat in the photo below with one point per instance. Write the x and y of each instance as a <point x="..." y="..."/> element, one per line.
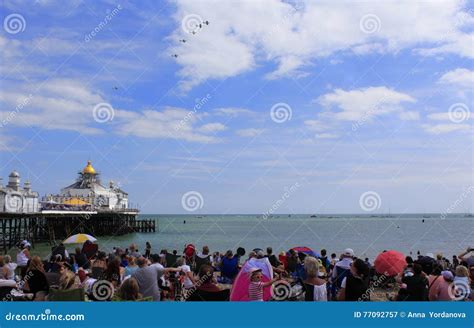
<point x="447" y="275"/>
<point x="348" y="252"/>
<point x="252" y="271"/>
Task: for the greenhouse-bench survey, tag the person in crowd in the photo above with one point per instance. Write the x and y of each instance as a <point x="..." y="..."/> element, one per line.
<point x="81" y="259"/>
<point x="229" y="267"/>
<point x="23" y="256"/>
<point x="131" y="267"/>
<point x="147" y="276"/>
<point x="100" y="261"/>
<point x="455" y="262"/>
<point x="467" y="256"/>
<point x="256" y="285"/>
<point x="439" y="284"/>
<point x="113" y="272"/>
<point x="60" y="250"/>
<point x="129" y="290"/>
<point x="35" y="279"/>
<point x="324" y="259"/>
<point x="134" y="251"/>
<point x="67" y="280"/>
<point x="283" y="259"/>
<point x="415" y="284"/>
<point x="3" y="269"/>
<point x="9" y="271"/>
<point x="471" y="275"/>
<point x="272" y="258"/>
<point x="292" y="261"/>
<point x="355" y="285"/>
<point x="216" y="261"/>
<point x="462" y="282"/>
<point x="147" y="250"/>
<point x="187" y="275"/>
<point x="202" y="258"/>
<point x="340" y="270"/>
<point x="441" y="261"/>
<point x="315" y="287"/>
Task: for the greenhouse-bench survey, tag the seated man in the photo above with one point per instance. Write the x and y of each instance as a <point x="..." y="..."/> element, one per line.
<point x="206" y="289"/>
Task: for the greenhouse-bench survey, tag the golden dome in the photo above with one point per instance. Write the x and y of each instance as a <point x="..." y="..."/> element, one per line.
<point x="88" y="169"/>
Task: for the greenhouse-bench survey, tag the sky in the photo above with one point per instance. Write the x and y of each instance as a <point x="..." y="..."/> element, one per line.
<point x="244" y="106"/>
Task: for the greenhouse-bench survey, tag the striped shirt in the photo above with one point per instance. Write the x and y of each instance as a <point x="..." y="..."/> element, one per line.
<point x="256" y="291"/>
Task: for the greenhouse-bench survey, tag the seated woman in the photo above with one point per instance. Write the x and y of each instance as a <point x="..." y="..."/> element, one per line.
<point x="67" y="280"/>
<point x="9" y="271"/>
<point x="315" y="287"/>
<point x="35" y="278"/>
<point x="355" y="286"/>
<point x="129" y="291"/>
<point x="229" y="267"/>
<point x="206" y="288"/>
<point x="131" y="266"/>
<point x="113" y="272"/>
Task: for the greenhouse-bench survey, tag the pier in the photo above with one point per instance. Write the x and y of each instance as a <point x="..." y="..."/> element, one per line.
<point x="55" y="226"/>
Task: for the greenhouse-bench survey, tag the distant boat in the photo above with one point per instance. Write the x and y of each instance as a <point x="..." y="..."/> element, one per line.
<point x="313" y="216"/>
<point x="469" y="215"/>
<point x="199" y="217"/>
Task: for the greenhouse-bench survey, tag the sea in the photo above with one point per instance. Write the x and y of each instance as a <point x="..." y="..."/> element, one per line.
<point x="367" y="235"/>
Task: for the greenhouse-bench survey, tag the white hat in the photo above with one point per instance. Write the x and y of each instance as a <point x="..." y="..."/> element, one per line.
<point x="348" y="252"/>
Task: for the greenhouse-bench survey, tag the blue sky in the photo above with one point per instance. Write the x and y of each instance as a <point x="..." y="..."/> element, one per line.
<point x="290" y="107"/>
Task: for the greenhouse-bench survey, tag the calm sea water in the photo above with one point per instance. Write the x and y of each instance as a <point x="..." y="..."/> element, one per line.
<point x="367" y="235"/>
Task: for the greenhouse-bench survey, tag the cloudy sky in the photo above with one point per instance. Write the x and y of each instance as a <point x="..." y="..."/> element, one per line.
<point x="294" y="106"/>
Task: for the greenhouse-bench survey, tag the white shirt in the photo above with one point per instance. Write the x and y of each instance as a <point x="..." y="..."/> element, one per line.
<point x="187" y="282"/>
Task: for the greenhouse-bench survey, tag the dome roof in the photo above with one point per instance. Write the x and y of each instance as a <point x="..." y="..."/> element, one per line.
<point x="14" y="174"/>
<point x="88" y="169"/>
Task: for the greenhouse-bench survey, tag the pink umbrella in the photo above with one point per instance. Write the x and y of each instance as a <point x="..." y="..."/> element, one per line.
<point x="390" y="263"/>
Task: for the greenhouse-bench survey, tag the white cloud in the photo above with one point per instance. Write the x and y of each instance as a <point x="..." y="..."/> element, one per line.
<point x="326" y="136"/>
<point x="171" y="122"/>
<point x="445" y="128"/>
<point x="212" y="128"/>
<point x="409" y="116"/>
<point x="242" y="34"/>
<point x="460" y="77"/>
<point x="364" y="103"/>
<point x="249" y="133"/>
<point x="233" y="112"/>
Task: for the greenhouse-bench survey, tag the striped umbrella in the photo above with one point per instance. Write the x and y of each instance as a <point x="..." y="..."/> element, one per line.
<point x="79" y="239"/>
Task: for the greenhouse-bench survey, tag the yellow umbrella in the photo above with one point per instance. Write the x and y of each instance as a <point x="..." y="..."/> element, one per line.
<point x="79" y="239"/>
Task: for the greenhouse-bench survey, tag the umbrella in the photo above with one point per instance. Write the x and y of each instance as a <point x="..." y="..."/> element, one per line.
<point x="390" y="263"/>
<point x="79" y="239"/>
<point x="305" y="250"/>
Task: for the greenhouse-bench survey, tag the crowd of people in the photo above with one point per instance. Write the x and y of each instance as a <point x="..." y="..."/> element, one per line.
<point x="129" y="275"/>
